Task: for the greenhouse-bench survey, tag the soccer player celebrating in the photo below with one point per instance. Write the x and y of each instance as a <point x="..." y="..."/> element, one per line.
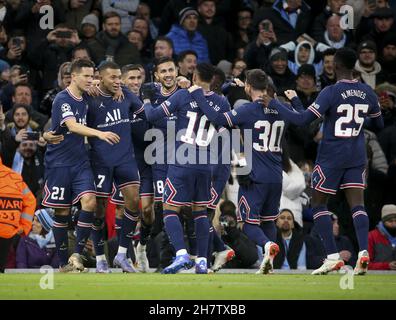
<point x="188" y="183"/>
<point x="114" y="163"/>
<point x="68" y="176"/>
<point x="341" y="160"/>
<point x="133" y="77"/>
<point x="260" y="191"/>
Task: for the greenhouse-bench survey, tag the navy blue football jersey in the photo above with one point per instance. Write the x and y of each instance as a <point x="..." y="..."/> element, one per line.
<point x="194" y="131"/>
<point x="344" y="107"/>
<point x="106" y="114"/>
<point x="71" y="151"/>
<point x="267" y="128"/>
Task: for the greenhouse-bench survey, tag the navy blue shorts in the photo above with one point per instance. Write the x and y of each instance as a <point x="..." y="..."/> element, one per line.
<point x="160" y="172"/>
<point x="64" y="186"/>
<point x="123" y="176"/>
<point x="329" y="180"/>
<point x="187" y="186"/>
<point x="216" y="191"/>
<point x="259" y="202"/>
<point x="146" y="186"/>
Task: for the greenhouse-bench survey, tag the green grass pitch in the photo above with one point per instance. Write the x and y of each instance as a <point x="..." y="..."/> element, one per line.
<point x="190" y="286"/>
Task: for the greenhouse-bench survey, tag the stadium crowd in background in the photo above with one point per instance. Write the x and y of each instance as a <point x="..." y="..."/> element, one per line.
<point x="293" y="41"/>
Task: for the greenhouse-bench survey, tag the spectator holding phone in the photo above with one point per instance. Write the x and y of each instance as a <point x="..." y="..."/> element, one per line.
<point x="258" y="51"/>
<point x="20" y="147"/>
<point x="52" y="52"/>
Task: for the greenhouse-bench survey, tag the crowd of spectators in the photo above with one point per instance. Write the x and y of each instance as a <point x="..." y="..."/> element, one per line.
<point x="294" y="41"/>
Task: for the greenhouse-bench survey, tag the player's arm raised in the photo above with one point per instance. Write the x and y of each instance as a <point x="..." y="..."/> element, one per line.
<point x="228" y="119"/>
<point x="164" y="110"/>
<point x="77" y="128"/>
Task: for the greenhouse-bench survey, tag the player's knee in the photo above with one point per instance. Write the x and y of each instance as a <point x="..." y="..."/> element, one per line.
<point x="148" y="214"/>
<point x="88" y="203"/>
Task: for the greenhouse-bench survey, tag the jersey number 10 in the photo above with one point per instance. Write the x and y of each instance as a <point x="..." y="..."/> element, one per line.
<point x="200" y="140"/>
<point x="352" y="114"/>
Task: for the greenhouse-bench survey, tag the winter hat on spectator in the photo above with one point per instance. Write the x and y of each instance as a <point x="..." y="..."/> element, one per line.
<point x="91" y="19"/>
<point x="389" y="39"/>
<point x="388" y="212"/>
<point x="183" y="14"/>
<point x="4" y="66"/>
<point x="383" y="13"/>
<point x="368" y="44"/>
<point x="307" y="70"/>
<point x="278" y="53"/>
<point x="45" y="219"/>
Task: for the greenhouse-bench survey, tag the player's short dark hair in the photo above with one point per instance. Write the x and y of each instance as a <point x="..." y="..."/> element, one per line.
<point x="346" y="58"/>
<point x="205" y="71"/>
<point x="78" y="64"/>
<point x="182" y="55"/>
<point x="257" y="78"/>
<point x="131" y="67"/>
<point x="162" y="60"/>
<point x="108" y="65"/>
<point x="110" y="14"/>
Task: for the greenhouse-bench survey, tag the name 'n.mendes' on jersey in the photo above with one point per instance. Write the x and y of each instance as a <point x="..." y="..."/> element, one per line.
<point x="71" y="151"/>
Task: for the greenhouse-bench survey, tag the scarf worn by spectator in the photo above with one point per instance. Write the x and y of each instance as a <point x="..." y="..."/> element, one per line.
<point x="385" y="232"/>
<point x="112" y="44"/>
<point x="17" y="164"/>
<point x="46" y="241"/>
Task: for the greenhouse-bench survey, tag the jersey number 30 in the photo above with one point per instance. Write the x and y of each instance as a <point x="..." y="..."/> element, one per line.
<point x="352" y="114"/>
<point x="271" y="137"/>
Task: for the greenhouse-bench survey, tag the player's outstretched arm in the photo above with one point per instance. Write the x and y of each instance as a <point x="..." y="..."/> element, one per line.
<point x="213" y="116"/>
<point x="77" y="128"/>
<point x="294" y="117"/>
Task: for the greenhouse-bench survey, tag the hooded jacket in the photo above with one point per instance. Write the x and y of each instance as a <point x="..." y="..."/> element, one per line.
<point x="369" y="78"/>
<point x="295" y="65"/>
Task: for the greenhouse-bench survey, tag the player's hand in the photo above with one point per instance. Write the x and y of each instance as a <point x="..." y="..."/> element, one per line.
<point x="119" y="95"/>
<point x="193" y="88"/>
<point x="239" y="83"/>
<point x="21" y="135"/>
<point x="109" y="137"/>
<point x="183" y="82"/>
<point x="148" y="90"/>
<point x="93" y="91"/>
<point x="392" y="265"/>
<point x="290" y="94"/>
<point x="53" y="138"/>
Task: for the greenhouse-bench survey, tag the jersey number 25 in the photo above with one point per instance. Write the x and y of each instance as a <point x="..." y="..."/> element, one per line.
<point x="352" y="114"/>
